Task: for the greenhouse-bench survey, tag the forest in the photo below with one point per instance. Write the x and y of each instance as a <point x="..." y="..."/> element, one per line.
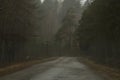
<point x="34" y="29"/>
<point x="99" y="32"/>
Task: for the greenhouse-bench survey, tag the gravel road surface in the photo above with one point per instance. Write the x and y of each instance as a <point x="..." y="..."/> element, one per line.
<point x="63" y="68"/>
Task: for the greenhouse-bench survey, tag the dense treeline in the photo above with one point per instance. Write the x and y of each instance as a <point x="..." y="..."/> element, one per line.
<point x="27" y="28"/>
<point x="99" y="32"/>
<point x="18" y="20"/>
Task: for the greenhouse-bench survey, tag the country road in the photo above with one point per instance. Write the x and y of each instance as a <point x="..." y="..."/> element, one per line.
<point x="64" y="68"/>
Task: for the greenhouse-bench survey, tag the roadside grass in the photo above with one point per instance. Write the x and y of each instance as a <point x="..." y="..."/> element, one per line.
<point x="107" y="72"/>
<point x="23" y="65"/>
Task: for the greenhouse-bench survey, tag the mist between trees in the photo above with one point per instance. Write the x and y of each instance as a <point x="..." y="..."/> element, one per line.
<point x="28" y="27"/>
<point x="32" y="30"/>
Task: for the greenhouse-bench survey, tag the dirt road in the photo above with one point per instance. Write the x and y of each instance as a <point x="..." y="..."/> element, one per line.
<point x="64" y="68"/>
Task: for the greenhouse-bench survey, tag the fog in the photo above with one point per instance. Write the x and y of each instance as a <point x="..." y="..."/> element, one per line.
<point x="68" y="32"/>
<point x="54" y="13"/>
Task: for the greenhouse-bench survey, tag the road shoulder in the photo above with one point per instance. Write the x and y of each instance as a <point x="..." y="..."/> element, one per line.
<point x="23" y="65"/>
<point x="107" y="72"/>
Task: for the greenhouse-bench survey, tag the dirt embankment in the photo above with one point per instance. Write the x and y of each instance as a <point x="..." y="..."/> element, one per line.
<point x="19" y="66"/>
<point x="107" y="72"/>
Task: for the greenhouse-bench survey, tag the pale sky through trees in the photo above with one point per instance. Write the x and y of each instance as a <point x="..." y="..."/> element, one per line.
<point x="82" y="1"/>
<point x="42" y="1"/>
